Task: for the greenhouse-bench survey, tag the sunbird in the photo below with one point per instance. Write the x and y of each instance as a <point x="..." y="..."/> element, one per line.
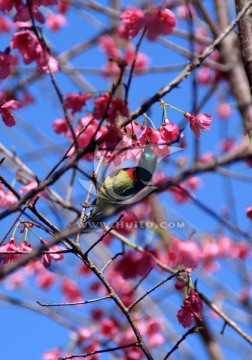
<point x="123" y="184"/>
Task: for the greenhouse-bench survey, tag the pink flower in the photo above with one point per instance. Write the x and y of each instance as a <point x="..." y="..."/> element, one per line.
<point x="227" y="144"/>
<point x="159" y="22"/>
<point x="27" y="98"/>
<point x="75" y="101"/>
<point x="55" y="21"/>
<point x="190" y="310"/>
<point x="134" y="264"/>
<point x="185" y="11"/>
<point x="149" y="135"/>
<point x="249" y="212"/>
<point x="205" y="75"/>
<point x="169" y="131"/>
<point x="71" y="290"/>
<point x="207" y="157"/>
<point x="24" y="246"/>
<point x="53" y="354"/>
<point x="7" y="198"/>
<point x="84" y="334"/>
<point x="153" y="327"/>
<point x="110" y="69"/>
<point x="132" y="22"/>
<point x="194" y="182"/>
<point x="30" y="186"/>
<point x="141" y="61"/>
<point x="9" y="246"/>
<point x="23" y="14"/>
<point x="224" y="110"/>
<point x="60" y="126"/>
<point x="63" y="6"/>
<point x="27" y="44"/>
<point x="185" y="253"/>
<point x="16" y="280"/>
<point x="45" y="62"/>
<point x="105" y="105"/>
<point x="179" y="195"/>
<point x="210" y="251"/>
<point x="109" y="327"/>
<point x="45" y="279"/>
<point x="7" y="5"/>
<point x="5" y="24"/>
<point x="54" y="255"/>
<point x="109" y="45"/>
<point x="7" y="116"/>
<point x="240" y="250"/>
<point x="199" y="122"/>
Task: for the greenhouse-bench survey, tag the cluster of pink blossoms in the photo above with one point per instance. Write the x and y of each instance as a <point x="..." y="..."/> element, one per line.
<point x="31" y="49"/>
<point x="190" y="310"/>
<point x="155" y="20"/>
<point x="22" y="10"/>
<point x="25" y="247"/>
<point x="7" y="198"/>
<point x="189" y="253"/>
<point x="111" y="47"/>
<point x="12" y="246"/>
<point x="134" y="264"/>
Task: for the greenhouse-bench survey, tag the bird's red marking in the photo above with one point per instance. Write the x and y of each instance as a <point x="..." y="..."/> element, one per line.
<point x="131" y="172"/>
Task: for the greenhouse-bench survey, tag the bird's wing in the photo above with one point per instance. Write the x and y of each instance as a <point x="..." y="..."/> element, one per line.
<point x="120" y="183"/>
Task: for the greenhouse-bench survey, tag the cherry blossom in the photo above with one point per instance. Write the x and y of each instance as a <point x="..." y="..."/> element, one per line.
<point x="16" y="280"/>
<point x="185" y="11"/>
<point x="75" y="101"/>
<point x="46" y="259"/>
<point x="159" y="22"/>
<point x="132" y="22"/>
<point x="179" y="195"/>
<point x="24" y="246"/>
<point x="169" y="131"/>
<point x="5" y="62"/>
<point x="185" y="254"/>
<point x="60" y="126"/>
<point x="9" y="246"/>
<point x="27" y="44"/>
<point x="7" y="198"/>
<point x="7" y="116"/>
<point x="53" y="354"/>
<point x="55" y="22"/>
<point x="134" y="264"/>
<point x="105" y="105"/>
<point x="30" y="186"/>
<point x="249" y="212"/>
<point x="109" y="327"/>
<point x="45" y="279"/>
<point x="23" y="14"/>
<point x="7" y="5"/>
<point x="108" y="44"/>
<point x="5" y="24"/>
<point x="190" y="310"/>
<point x="199" y="122"/>
<point x="224" y="110"/>
<point x="149" y="135"/>
<point x="227" y="144"/>
<point x="156" y="20"/>
<point x="71" y="290"/>
<point x="141" y="62"/>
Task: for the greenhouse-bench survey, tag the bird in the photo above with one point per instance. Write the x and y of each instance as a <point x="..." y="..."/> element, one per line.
<point x="122" y="185"/>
